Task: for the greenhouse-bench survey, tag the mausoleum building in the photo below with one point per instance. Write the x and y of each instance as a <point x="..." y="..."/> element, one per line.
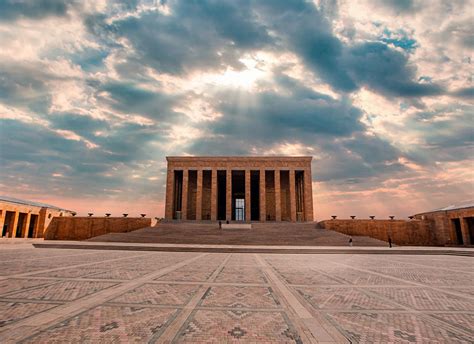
<point x="270" y="188"/>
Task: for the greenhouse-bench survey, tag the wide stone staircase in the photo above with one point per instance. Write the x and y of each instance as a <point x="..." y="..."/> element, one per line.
<point x="268" y="233"/>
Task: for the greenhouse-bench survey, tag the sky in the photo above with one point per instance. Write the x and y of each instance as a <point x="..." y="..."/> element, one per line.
<point x="95" y="94"/>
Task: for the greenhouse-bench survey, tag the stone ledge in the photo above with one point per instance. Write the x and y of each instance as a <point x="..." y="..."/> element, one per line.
<point x="259" y="249"/>
<point x="237" y="226"/>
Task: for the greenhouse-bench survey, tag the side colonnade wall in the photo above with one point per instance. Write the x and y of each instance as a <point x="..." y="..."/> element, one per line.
<point x="413" y="232"/>
<point x="82" y="228"/>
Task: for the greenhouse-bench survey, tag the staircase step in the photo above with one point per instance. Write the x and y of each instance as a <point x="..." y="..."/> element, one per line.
<point x="267" y="233"/>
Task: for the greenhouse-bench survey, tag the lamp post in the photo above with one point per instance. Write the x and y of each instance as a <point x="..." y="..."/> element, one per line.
<point x="334" y="217"/>
<point x="125" y="215"/>
<point x="143" y="215"/>
<point x="107" y="215"/>
<point x="353" y="217"/>
<point x="372" y="217"/>
<point x="90" y="214"/>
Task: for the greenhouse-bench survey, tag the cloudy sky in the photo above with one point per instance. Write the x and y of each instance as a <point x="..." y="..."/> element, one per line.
<point x="94" y="94"/>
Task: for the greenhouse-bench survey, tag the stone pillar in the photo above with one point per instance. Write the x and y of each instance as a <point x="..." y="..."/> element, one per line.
<point x="41" y="226"/>
<point x="292" y="196"/>
<point x="26" y="225"/>
<point x="228" y="200"/>
<point x="2" y="221"/>
<point x="169" y="194"/>
<point x="199" y="196"/>
<point x="184" y="196"/>
<point x="277" y="196"/>
<point x="465" y="231"/>
<point x="263" y="206"/>
<point x="248" y="206"/>
<point x="213" y="194"/>
<point x="308" y="195"/>
<point x="12" y="228"/>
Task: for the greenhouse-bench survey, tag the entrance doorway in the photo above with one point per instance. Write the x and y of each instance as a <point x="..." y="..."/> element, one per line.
<point x="20" y="225"/>
<point x="239" y="209"/>
<point x="7" y="229"/>
<point x="31" y="229"/>
<point x="470" y="229"/>
<point x="458" y="231"/>
<point x="238" y="196"/>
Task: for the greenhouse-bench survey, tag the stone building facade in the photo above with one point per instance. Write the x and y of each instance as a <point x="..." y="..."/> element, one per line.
<point x="452" y="225"/>
<point x="27" y="219"/>
<point x="246" y="189"/>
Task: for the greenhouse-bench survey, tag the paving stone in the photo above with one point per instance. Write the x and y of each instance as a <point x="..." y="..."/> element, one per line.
<point x="420" y="298"/>
<point x="235" y="326"/>
<point x="108" y="324"/>
<point x="427" y="276"/>
<point x="372" y="327"/>
<point x="120" y="274"/>
<point x="466" y="290"/>
<point x="187" y="275"/>
<point x="241" y="275"/>
<point x="366" y="298"/>
<point x="63" y="291"/>
<point x="240" y="297"/>
<point x="462" y="320"/>
<point x="71" y="273"/>
<point x="13" y="311"/>
<point x="308" y="278"/>
<point x="342" y="298"/>
<point x="16" y="284"/>
<point x="159" y="294"/>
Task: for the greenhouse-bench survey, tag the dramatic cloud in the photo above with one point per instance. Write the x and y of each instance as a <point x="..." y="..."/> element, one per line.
<point x="14" y="9"/>
<point x="95" y="94"/>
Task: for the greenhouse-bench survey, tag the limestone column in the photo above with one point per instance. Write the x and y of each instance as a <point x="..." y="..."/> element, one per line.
<point x="292" y="196"/>
<point x="465" y="231"/>
<point x="199" y="196"/>
<point x="26" y="225"/>
<point x="277" y="196"/>
<point x="263" y="210"/>
<point x="247" y="196"/>
<point x="2" y="221"/>
<point x="12" y="228"/>
<point x="169" y="194"/>
<point x="228" y="200"/>
<point x="184" y="196"/>
<point x="213" y="194"/>
<point x="308" y="195"/>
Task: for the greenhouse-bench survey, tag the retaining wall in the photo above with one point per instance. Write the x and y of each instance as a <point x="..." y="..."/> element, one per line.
<point x="81" y="228"/>
<point x="413" y="232"/>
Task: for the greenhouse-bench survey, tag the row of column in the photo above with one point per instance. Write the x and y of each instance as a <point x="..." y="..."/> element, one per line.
<point x="466" y="238"/>
<point x="12" y="228"/>
<point x="307" y="194"/>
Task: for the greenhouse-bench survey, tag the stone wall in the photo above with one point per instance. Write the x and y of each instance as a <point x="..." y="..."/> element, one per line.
<point x="17" y="218"/>
<point x="442" y="226"/>
<point x="81" y="228"/>
<point x="413" y="232"/>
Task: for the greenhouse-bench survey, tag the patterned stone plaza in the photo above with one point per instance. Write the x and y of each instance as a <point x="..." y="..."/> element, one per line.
<point x="93" y="296"/>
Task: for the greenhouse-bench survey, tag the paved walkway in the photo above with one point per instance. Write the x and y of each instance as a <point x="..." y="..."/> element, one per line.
<point x="92" y="296"/>
<point x="425" y="250"/>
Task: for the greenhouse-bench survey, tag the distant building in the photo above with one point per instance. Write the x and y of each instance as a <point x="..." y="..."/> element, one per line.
<point x="452" y="225"/>
<point x="27" y="219"/>
<point x="270" y="188"/>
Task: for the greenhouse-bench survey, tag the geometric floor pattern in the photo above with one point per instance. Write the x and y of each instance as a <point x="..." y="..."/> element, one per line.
<point x="93" y="296"/>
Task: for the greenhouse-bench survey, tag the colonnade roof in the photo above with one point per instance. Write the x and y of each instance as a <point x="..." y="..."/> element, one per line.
<point x="30" y="203"/>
